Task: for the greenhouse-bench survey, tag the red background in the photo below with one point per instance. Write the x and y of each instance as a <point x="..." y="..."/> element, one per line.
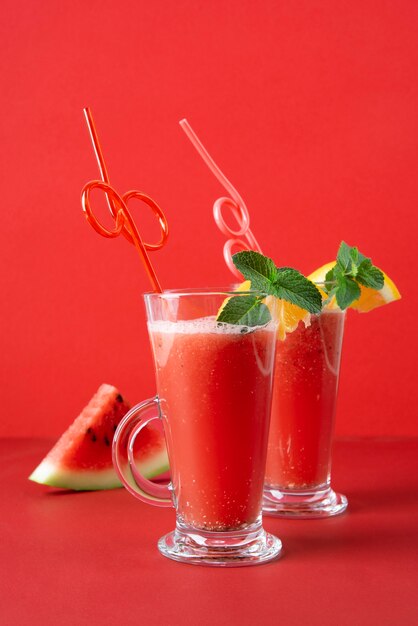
<point x="310" y="109"/>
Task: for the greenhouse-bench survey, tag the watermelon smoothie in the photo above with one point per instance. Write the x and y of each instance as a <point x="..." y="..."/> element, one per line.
<point x="214" y="383"/>
<point x="302" y="418"/>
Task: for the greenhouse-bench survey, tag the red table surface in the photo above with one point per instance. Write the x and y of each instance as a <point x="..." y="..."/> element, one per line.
<point x="91" y="557"/>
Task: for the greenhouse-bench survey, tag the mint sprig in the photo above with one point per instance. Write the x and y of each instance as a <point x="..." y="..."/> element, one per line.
<point x="351" y="270"/>
<point x="282" y="282"/>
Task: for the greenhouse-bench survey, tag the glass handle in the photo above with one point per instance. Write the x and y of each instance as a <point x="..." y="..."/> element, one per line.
<point x="123" y="455"/>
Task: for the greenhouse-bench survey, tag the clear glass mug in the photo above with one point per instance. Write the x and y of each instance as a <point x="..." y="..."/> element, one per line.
<point x="214" y="389"/>
<point x="298" y="471"/>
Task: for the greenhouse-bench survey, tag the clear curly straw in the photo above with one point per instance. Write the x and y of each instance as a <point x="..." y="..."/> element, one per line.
<point x="235" y="203"/>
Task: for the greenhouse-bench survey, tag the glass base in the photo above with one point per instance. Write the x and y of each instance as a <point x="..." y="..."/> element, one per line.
<point x="309" y="504"/>
<point x="220" y="549"/>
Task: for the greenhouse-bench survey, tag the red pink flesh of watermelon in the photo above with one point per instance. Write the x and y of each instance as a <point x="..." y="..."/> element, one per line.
<point x="82" y="458"/>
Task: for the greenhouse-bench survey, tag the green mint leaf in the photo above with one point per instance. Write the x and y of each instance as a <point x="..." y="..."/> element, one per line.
<point x="258" y="316"/>
<point x="292" y="286"/>
<point x="347" y="291"/>
<point x="329" y="283"/>
<point x="339" y="273"/>
<point x="245" y="311"/>
<point x="362" y="258"/>
<point x="259" y="269"/>
<point x="369" y="275"/>
<point x="354" y="256"/>
<point x="344" y="258"/>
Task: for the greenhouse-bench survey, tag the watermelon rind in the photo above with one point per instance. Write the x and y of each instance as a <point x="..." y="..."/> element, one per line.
<point x="49" y="474"/>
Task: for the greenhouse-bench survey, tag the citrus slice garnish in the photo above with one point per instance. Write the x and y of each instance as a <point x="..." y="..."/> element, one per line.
<point x="287" y="314"/>
<point x="369" y="298"/>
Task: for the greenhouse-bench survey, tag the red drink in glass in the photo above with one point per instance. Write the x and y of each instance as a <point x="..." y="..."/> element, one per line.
<point x="302" y="420"/>
<point x="213" y="384"/>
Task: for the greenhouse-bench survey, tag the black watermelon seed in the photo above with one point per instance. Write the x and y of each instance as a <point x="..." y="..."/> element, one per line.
<point x="90" y="432"/>
<point x="106" y="440"/>
<point x="119" y="398"/>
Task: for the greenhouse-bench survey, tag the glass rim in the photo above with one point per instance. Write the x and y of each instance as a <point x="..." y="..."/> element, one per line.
<point x="227" y="292"/>
<point x="204" y="291"/>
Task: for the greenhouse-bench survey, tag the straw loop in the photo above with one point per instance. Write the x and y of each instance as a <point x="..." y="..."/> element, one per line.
<point x="162" y="220"/>
<point x="118" y="207"/>
<point x="88" y="211"/>
<point x="239" y="212"/>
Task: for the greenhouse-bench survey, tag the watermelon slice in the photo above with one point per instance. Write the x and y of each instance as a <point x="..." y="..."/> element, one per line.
<point x="82" y="458"/>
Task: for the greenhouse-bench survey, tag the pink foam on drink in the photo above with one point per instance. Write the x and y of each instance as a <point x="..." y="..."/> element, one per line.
<point x="203" y="325"/>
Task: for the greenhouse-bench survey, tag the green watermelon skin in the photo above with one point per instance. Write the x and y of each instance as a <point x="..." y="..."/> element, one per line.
<point x="82" y="457"/>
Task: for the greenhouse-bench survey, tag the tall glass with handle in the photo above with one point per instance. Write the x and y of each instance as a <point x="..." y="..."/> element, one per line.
<point x="214" y="388"/>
